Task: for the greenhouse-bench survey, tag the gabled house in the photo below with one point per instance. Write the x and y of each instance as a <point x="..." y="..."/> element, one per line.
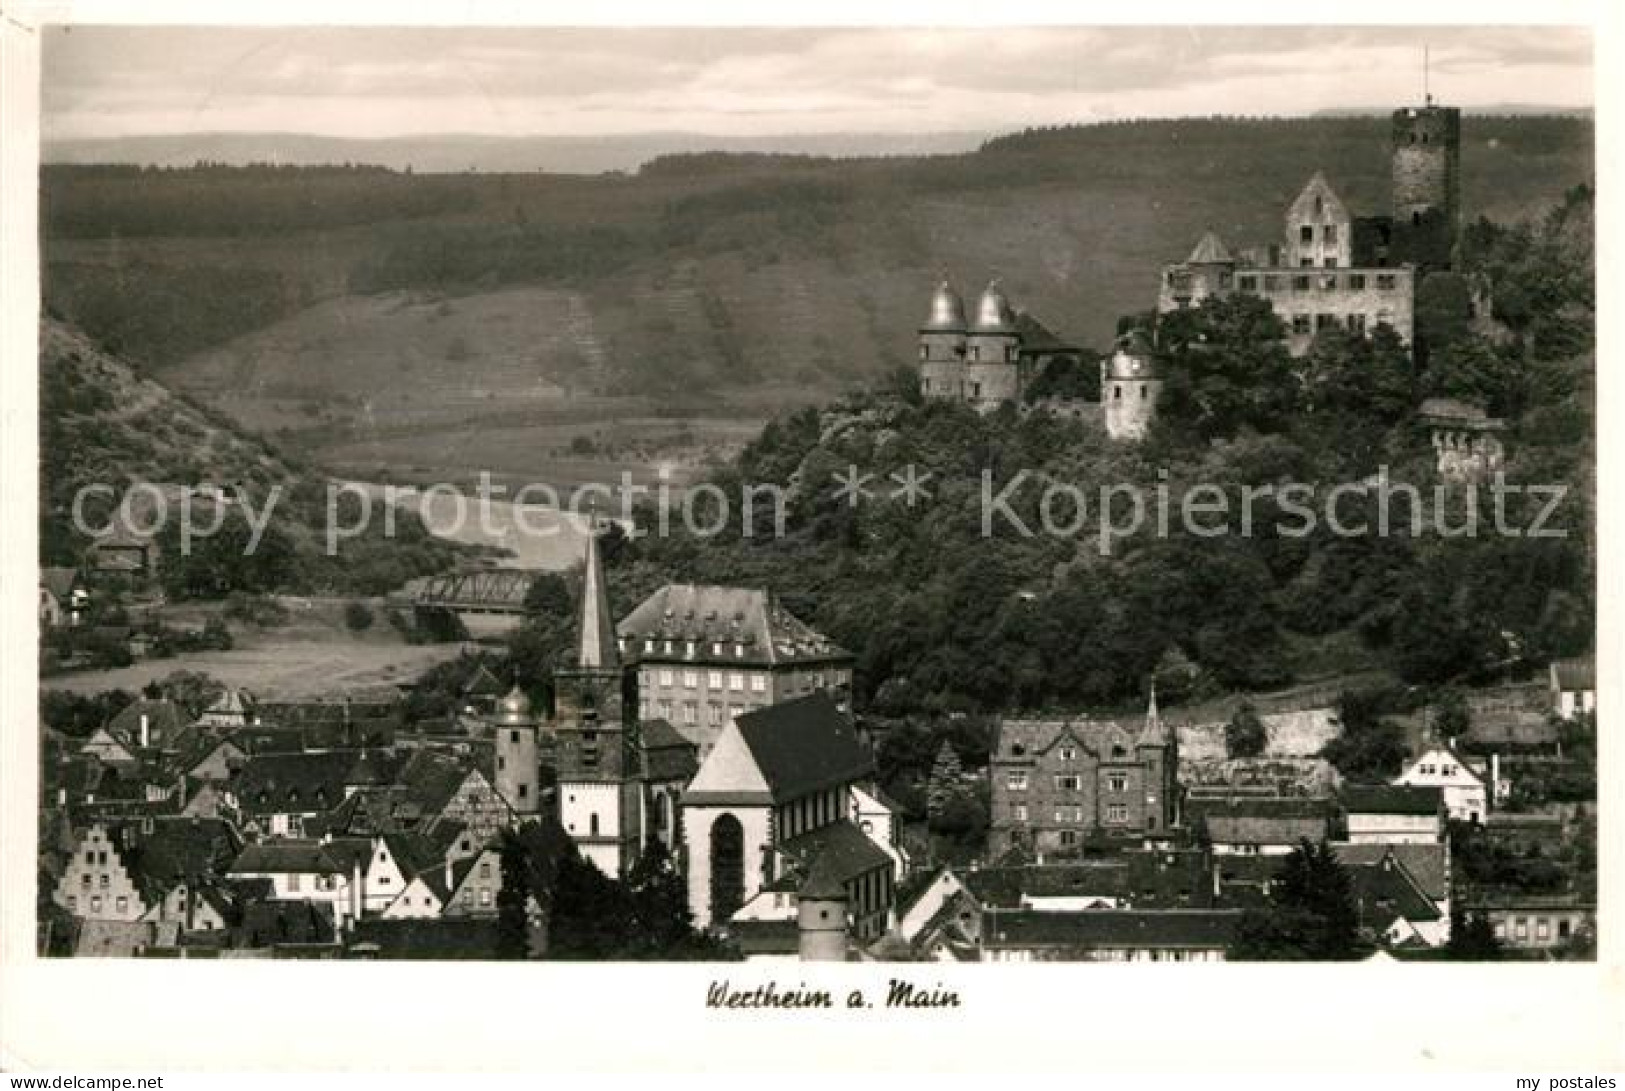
<point x="1392" y="904"/>
<point x="1466" y="795"/>
<point x="306" y="871"/>
<point x="1259" y="825"/>
<point x="1574" y="686"/>
<point x="277" y="794"/>
<point x="63" y="599"/>
<point x="1106" y="935"/>
<point x="1426" y="866"/>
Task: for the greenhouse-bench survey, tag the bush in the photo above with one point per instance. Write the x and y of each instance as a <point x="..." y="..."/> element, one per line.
<point x="357" y="616"/>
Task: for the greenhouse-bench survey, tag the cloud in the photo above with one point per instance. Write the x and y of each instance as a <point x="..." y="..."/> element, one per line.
<point x="117" y="81"/>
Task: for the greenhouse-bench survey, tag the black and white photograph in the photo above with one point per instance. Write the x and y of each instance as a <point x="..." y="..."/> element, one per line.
<point x="924" y="498"/>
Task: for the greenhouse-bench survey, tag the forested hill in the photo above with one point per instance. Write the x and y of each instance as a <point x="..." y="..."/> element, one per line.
<point x="706" y="274"/>
<point x="948" y="608"/>
<point x="105" y="427"/>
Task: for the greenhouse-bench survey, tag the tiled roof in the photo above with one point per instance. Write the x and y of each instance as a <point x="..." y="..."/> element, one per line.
<point x="268" y="923"/>
<point x="666" y="754"/>
<point x="293" y="783"/>
<point x="1575" y="674"/>
<point x="1429" y="865"/>
<point x="1385" y="890"/>
<point x="1100" y="737"/>
<point x="1210" y="250"/>
<point x="286" y="857"/>
<point x="177" y="849"/>
<point x="1037" y="337"/>
<point x="1261" y="820"/>
<point x="830" y="856"/>
<point x="1391" y="799"/>
<point x="1156" y="929"/>
<point x="804" y="745"/>
<point x="705" y="615"/>
<point x="165" y="721"/>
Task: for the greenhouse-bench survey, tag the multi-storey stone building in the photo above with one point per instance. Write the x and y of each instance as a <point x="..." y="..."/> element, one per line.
<point x="1335" y="270"/>
<point x="1054" y="781"/>
<point x="704" y="655"/>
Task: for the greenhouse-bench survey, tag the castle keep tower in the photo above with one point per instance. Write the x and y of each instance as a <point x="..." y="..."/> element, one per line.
<point x="942" y="346"/>
<point x="1129" y="387"/>
<point x="1426" y="145"/>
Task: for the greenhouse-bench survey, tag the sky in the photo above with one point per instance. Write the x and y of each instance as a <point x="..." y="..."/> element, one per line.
<point x="124" y="81"/>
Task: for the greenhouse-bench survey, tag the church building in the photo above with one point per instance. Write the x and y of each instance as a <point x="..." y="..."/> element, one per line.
<point x="771" y="812"/>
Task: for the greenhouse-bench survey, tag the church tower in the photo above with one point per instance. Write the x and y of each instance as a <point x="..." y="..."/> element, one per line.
<point x="597" y="775"/>
<point x="1159" y="751"/>
<point x="1426" y="151"/>
<point x="518" y="763"/>
<point x="1130" y="384"/>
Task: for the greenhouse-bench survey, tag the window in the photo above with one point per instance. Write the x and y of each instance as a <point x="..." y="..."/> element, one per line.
<point x="485" y="895"/>
<point x="1325" y="322"/>
<point x="73" y="902"/>
<point x="1068" y="782"/>
<point x="714" y="679"/>
<point x="1385" y="282"/>
<point x="1306" y="233"/>
<point x="1521" y="928"/>
<point x="502" y="763"/>
<point x="1328" y="283"/>
<point x="691" y="679"/>
<point x="1117" y="782"/>
<point x="1247" y="283"/>
<point x="736" y="681"/>
<point x="716" y="647"/>
<point x="1300" y="323"/>
<point x="485" y="869"/>
<point x="666" y="677"/>
<point x="122" y="905"/>
<point x="923" y="352"/>
<point x="1543" y="928"/>
<point x="293" y="881"/>
<point x="90" y="856"/>
<point x="1356" y="282"/>
<point x="1329" y="233"/>
<point x="713" y="714"/>
<point x="1562" y="925"/>
<point x="691" y="712"/>
<point x="104" y="882"/>
<point x="688" y="649"/>
<point x="1016" y="780"/>
<point x="1356" y="323"/>
<point x="96" y="904"/>
<point x="1330" y="262"/>
<point x="84" y="880"/>
<point x="524" y="791"/>
<point x="1069" y="753"/>
<point x="1300" y="283"/>
<point x="1272" y="283"/>
<point x="1117" y="814"/>
<point x="1069" y="837"/>
<point x="1018" y="812"/>
<point x="758" y="683"/>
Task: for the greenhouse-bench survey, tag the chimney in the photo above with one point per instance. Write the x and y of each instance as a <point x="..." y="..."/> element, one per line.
<point x="146" y="731"/>
<point x="61" y="797"/>
<point x="355" y="892"/>
<point x="448" y="876"/>
<point x="1495" y="776"/>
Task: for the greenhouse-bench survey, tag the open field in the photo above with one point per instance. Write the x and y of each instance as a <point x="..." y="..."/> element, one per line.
<point x="277" y="665"/>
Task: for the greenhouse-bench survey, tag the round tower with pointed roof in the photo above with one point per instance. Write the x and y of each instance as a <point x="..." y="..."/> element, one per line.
<point x="1130" y="384"/>
<point x="518" y="764"/>
<point x="942" y="345"/>
<point x="993" y="352"/>
<point x="821" y="907"/>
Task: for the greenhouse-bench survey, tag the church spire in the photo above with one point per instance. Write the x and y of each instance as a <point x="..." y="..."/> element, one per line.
<point x="597" y="648"/>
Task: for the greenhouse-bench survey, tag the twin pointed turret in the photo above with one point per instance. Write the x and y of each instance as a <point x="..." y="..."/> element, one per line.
<point x="947" y="315"/>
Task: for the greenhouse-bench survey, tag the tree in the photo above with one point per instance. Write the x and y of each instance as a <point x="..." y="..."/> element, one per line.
<point x="1245" y="735"/>
<point x="1472" y="937"/>
<point x="1313" y="916"/>
<point x="513" y="924"/>
<point x="944" y="786"/>
<point x="1370" y="749"/>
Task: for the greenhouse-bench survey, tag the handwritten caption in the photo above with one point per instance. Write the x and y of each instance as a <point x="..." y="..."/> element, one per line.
<point x="898" y="994"/>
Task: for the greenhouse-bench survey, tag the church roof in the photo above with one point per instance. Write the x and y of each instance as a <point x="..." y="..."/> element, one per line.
<point x="596" y="645"/>
<point x="947" y="311"/>
<point x="1210" y="250"/>
<point x="781" y="753"/>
